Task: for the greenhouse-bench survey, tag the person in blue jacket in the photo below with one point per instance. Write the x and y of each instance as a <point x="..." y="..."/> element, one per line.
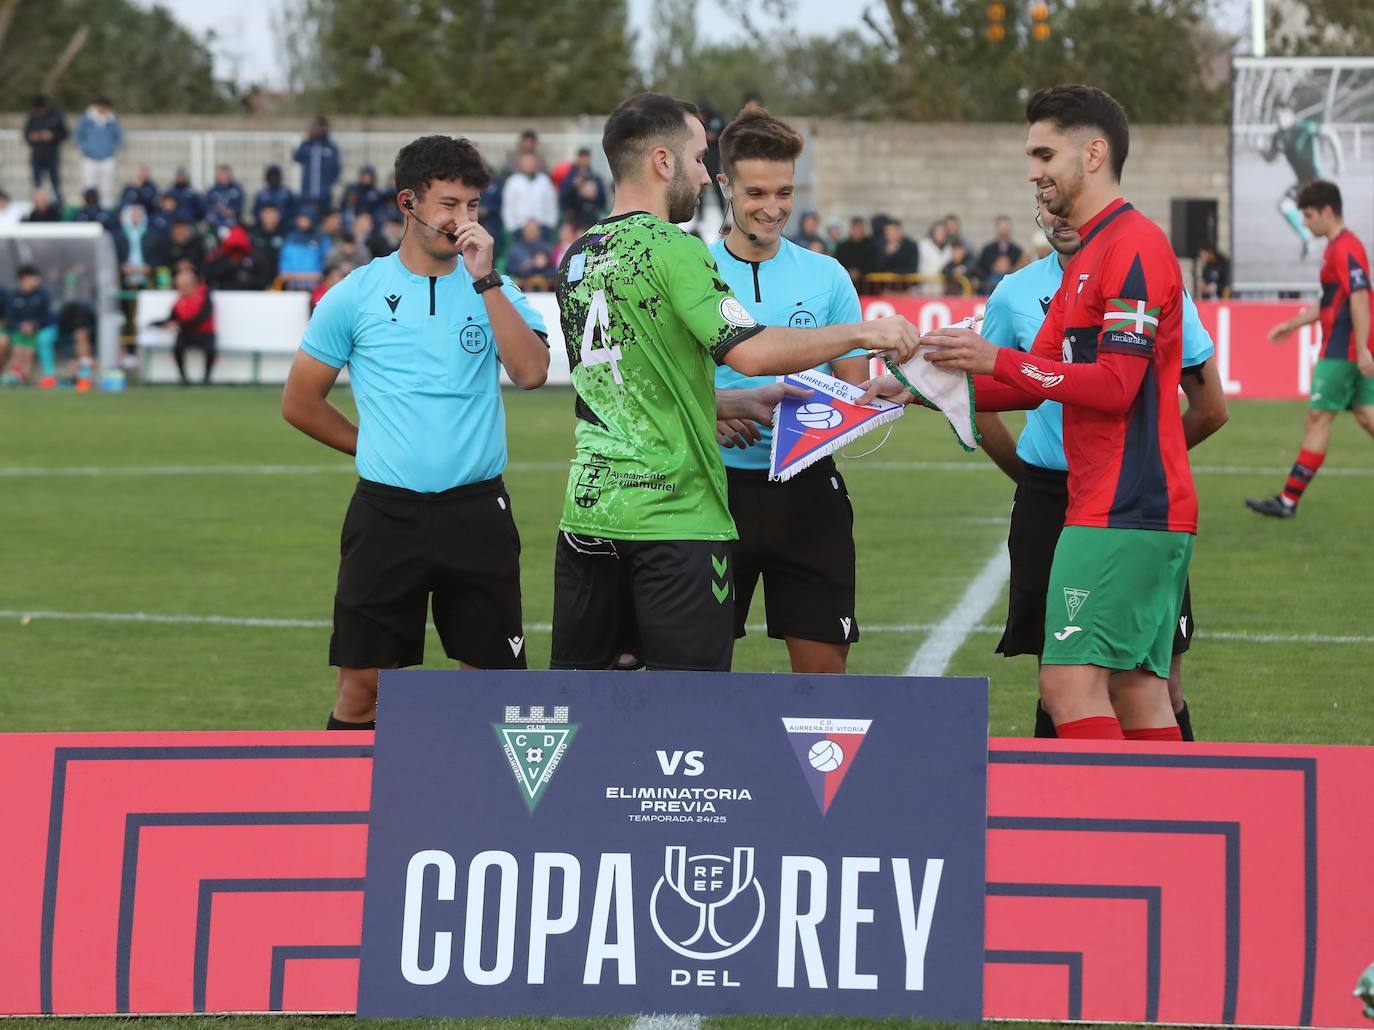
<point x="320" y="166"/>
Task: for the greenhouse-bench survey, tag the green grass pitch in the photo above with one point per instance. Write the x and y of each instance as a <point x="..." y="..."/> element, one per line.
<point x="187" y="504"/>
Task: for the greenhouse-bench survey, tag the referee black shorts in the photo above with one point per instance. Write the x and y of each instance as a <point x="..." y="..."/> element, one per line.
<point x="1037" y="517"/>
<point x="400" y="548"/>
<point x="798" y="536"/>
<point x="670" y="603"/>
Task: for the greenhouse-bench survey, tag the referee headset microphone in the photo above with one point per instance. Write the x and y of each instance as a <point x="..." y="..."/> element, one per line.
<point x="729" y="193"/>
<point x="409" y="205"/>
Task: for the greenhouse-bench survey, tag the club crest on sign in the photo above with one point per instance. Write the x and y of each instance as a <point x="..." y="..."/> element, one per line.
<point x="825" y="750"/>
<point x="534" y="744"/>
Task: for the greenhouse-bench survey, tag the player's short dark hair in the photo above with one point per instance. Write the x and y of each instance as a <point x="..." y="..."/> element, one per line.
<point x="1078" y="106"/>
<point x="24" y="271"/>
<point x="1320" y="193"/>
<point x="757" y="135"/>
<point x="440" y="159"/>
<point x="641" y="123"/>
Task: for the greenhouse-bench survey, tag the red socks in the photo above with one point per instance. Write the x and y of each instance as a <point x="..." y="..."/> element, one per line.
<point x="1156" y="733"/>
<point x="1099" y="727"/>
<point x="1301" y="475"/>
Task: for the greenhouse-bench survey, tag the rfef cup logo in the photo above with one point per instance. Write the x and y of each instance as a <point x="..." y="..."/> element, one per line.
<point x="534" y="745"/>
<point x="706" y="885"/>
<point x="825" y="750"/>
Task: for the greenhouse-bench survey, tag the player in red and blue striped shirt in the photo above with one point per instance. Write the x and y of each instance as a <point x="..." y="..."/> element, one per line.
<point x="1344" y="375"/>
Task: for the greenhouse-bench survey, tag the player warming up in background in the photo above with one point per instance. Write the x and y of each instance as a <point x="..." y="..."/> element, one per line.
<point x="798" y="535"/>
<point x="1109" y="351"/>
<point x="1344" y="375"/>
<point x="1037" y="464"/>
<point x="643" y="561"/>
<point x="422" y="334"/>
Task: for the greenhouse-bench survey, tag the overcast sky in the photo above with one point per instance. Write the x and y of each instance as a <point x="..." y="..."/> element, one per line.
<point x="246" y="48"/>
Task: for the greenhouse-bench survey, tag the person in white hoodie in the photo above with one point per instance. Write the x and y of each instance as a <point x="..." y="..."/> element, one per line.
<point x="99" y="137"/>
<point x="528" y="194"/>
<point x="935" y="253"/>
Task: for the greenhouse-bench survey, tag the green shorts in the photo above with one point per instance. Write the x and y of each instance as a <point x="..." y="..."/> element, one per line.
<point x="1338" y="385"/>
<point x="1114" y="598"/>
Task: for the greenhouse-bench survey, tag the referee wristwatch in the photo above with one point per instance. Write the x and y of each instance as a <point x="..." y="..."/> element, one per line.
<point x="487" y="282"/>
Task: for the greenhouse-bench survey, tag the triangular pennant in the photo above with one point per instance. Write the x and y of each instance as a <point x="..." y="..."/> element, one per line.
<point x="807" y="429"/>
<point x="949" y="392"/>
<point x="825" y="750"/>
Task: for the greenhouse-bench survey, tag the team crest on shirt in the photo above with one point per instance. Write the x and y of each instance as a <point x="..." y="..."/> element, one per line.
<point x="1074" y="600"/>
<point x="587" y="489"/>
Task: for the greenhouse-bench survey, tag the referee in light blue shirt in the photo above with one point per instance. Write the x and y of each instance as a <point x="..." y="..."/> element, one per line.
<point x="797" y="536"/>
<point x="1037" y="464"/>
<point x="424" y="336"/>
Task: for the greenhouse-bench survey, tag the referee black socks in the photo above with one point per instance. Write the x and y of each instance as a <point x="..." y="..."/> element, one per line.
<point x="339" y="724"/>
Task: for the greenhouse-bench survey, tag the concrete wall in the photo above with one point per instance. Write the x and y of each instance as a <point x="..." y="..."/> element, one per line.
<point x="917" y="172"/>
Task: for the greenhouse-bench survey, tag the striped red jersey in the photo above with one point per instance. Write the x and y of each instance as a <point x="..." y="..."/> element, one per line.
<point x="1345" y="269"/>
<point x="1110" y="350"/>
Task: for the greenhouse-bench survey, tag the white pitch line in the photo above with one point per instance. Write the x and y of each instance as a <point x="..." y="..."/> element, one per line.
<point x="667" y="1021"/>
<point x="905" y="628"/>
<point x="101" y="471"/>
<point x="934" y="654"/>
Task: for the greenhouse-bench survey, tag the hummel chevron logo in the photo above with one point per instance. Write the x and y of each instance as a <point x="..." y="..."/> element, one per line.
<point x="517" y="644"/>
<point x="721" y="590"/>
<point x="392" y="301"/>
<point x="1067" y="632"/>
<point x="719" y="564"/>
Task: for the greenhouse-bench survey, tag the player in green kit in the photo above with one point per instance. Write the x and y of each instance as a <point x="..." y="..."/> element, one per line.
<point x="643" y="563"/>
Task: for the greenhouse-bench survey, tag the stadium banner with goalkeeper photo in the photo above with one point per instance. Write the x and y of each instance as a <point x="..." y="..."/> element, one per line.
<point x="600" y="844"/>
<point x="1294" y="119"/>
<point x="1250" y="366"/>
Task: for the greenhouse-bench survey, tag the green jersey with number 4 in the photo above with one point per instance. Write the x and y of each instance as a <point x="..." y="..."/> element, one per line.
<point x="646" y="318"/>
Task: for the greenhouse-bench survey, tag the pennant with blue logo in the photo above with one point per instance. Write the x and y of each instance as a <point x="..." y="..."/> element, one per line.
<point x="807" y="429"/>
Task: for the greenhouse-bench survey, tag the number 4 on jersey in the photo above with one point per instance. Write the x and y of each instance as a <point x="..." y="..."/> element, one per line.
<point x="598" y="331"/>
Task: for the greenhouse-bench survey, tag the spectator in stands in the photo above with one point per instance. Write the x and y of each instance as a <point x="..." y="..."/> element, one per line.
<point x="833" y="234"/>
<point x="1213" y="273"/>
<point x="958" y="271"/>
<point x="99" y="137"/>
<point x="347" y="251"/>
<point x="1002" y="245"/>
<point x="568" y="233"/>
<point x="582" y="194"/>
<point x="185" y="246"/>
<point x="530" y="254"/>
<point x="385" y="238"/>
<point x="808" y="229"/>
<point x="138" y="264"/>
<point x="320" y="166"/>
<point x="189" y="199"/>
<point x="232" y="265"/>
<point x="488" y="213"/>
<point x="362" y="229"/>
<point x="528" y="194"/>
<point x="331" y="227"/>
<point x="274" y="192"/>
<point x="91" y="211"/>
<point x="28" y="325"/>
<point x="141" y="191"/>
<point x="367" y="196"/>
<point x="935" y="253"/>
<point x="335" y="273"/>
<point x="74" y="350"/>
<point x="160" y="221"/>
<point x="267" y="239"/>
<point x="954" y="233"/>
<point x="527" y="144"/>
<point x="857" y="252"/>
<point x="194" y="316"/>
<point x="224" y="200"/>
<point x="1001" y="268"/>
<point x="898" y="252"/>
<point x="753" y="99"/>
<point x="9" y="211"/>
<point x="44" y="132"/>
<point x="45" y="207"/>
<point x="301" y="263"/>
